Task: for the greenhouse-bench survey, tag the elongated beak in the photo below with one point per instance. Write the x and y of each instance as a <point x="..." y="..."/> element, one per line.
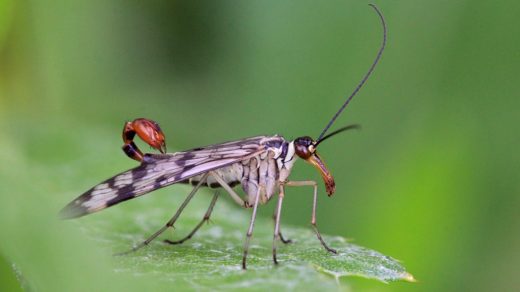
<point x="330" y="185"/>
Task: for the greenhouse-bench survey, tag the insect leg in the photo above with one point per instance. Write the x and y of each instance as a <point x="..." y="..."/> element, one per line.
<point x="231" y="192"/>
<point x="313" y="219"/>
<point x="204" y="219"/>
<point x="173" y="219"/>
<point x="250" y="230"/>
<point x="277" y="221"/>
<point x="282" y="239"/>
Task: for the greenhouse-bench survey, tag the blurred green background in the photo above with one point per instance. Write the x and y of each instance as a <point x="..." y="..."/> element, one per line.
<point x="432" y="179"/>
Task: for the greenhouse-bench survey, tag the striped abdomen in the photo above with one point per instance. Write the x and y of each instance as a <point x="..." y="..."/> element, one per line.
<point x="252" y="173"/>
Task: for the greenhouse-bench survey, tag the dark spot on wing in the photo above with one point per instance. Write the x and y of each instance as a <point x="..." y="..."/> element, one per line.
<point x="178" y="176"/>
<point x="180" y="163"/>
<point x="160" y="178"/>
<point x="138" y="173"/>
<point x="111" y="183"/>
<point x="120" y="198"/>
<point x="188" y="167"/>
<point x="188" y="156"/>
<point x="159" y="181"/>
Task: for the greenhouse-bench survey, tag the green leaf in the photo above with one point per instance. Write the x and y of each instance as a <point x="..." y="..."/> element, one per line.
<point x="212" y="258"/>
<point x="76" y="255"/>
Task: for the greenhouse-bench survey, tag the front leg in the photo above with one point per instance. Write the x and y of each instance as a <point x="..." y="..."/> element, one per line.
<point x="313" y="219"/>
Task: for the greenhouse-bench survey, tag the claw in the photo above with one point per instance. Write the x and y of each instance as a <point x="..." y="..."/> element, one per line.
<point x="149" y="131"/>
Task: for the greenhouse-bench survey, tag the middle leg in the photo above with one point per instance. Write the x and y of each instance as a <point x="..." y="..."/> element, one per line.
<point x="250" y="230"/>
<point x="276" y="236"/>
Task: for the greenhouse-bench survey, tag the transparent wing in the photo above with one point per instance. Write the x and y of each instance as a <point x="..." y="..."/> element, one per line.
<point x="160" y="170"/>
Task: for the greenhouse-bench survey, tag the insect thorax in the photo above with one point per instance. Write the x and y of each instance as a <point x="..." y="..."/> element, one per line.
<point x="259" y="174"/>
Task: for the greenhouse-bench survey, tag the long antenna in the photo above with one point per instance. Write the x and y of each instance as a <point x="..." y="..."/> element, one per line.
<point x="365" y="78"/>
<point x="343" y="129"/>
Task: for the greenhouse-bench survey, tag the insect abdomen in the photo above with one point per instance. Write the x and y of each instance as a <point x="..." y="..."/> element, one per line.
<point x="260" y="171"/>
<point x="231" y="174"/>
<point x="250" y="173"/>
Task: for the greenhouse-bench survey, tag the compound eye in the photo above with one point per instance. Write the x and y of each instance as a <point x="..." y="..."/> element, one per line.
<point x="301" y="147"/>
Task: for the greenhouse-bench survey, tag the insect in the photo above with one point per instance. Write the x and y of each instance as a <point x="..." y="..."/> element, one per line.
<point x="261" y="165"/>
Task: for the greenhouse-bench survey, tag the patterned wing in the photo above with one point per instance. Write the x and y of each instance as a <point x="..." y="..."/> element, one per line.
<point x="160" y="170"/>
